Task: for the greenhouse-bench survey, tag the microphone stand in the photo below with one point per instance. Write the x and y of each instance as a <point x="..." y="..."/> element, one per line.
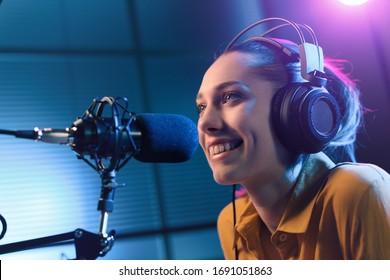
<point x="90" y="246"/>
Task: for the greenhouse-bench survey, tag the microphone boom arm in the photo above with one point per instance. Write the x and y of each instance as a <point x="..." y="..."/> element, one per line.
<point x="88" y="245"/>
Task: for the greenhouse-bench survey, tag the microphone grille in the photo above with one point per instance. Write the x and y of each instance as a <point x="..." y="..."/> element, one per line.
<point x="166" y="138"/>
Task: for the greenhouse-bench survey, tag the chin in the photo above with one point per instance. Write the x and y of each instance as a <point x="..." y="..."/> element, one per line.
<point x="225" y="179"/>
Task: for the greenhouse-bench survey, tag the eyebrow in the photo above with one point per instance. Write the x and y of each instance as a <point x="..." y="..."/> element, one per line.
<point x="224" y="85"/>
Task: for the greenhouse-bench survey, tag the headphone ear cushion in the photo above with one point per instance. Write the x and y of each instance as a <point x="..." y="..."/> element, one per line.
<point x="305" y="118"/>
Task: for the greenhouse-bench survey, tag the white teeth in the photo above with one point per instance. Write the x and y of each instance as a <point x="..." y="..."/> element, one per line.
<point x="220" y="148"/>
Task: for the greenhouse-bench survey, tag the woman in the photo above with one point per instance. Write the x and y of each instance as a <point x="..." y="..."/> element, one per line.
<point x="296" y="204"/>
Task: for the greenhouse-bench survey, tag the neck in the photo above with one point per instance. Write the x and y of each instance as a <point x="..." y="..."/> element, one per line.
<point x="271" y="194"/>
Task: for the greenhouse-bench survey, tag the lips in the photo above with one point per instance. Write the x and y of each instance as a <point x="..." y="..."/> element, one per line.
<point x="220" y="148"/>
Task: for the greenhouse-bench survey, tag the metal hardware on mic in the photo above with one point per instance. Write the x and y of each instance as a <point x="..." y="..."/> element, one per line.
<point x="48" y="135"/>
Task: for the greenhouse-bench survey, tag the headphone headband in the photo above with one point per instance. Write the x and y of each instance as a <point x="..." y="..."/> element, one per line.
<point x="310" y="54"/>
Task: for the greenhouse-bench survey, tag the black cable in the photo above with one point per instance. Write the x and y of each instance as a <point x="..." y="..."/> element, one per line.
<point x="234" y="218"/>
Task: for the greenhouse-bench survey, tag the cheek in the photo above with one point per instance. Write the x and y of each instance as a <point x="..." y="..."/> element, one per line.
<point x="243" y="115"/>
<point x="254" y="113"/>
<point x="250" y="107"/>
<point x="258" y="131"/>
<point x="257" y="121"/>
<point x="202" y="141"/>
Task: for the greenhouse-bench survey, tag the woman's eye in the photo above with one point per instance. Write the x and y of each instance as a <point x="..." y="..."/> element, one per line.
<point x="230" y="96"/>
<point x="200" y="108"/>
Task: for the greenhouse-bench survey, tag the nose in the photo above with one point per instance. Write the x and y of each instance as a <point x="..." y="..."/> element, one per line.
<point x="211" y="120"/>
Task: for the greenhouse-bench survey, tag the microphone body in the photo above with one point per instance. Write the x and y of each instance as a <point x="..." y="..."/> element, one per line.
<point x="164" y="138"/>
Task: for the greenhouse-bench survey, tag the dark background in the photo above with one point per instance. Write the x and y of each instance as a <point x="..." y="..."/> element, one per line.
<point x="56" y="56"/>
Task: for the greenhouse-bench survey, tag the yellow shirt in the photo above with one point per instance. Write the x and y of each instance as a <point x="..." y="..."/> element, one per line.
<point x="334" y="213"/>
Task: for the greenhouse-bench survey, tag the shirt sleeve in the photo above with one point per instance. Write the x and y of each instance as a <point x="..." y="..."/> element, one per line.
<point x="371" y="230"/>
<point x="368" y="216"/>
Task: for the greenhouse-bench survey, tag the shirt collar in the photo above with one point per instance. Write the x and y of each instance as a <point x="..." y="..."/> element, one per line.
<point x="311" y="179"/>
<point x="248" y="220"/>
<point x="248" y="226"/>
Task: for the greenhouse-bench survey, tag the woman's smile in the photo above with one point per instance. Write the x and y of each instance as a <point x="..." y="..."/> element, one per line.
<point x="223" y="147"/>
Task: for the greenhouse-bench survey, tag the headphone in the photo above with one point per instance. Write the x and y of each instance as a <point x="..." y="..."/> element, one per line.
<point x="305" y="116"/>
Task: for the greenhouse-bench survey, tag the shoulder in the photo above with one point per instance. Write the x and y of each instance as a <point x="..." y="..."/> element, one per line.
<point x="363" y="171"/>
<point x="356" y="198"/>
<point x="359" y="174"/>
<point x="356" y="181"/>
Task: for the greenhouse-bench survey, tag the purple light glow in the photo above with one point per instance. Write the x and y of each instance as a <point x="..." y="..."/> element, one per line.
<point x="353" y="2"/>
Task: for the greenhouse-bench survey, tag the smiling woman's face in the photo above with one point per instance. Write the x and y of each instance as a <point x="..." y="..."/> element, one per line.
<point x="234" y="122"/>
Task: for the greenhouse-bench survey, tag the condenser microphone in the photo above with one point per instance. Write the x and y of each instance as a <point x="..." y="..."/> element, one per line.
<point x="166" y="138"/>
<point x="155" y="138"/>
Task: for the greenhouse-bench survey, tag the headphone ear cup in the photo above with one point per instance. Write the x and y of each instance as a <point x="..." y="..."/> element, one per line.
<point x="305" y="118"/>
